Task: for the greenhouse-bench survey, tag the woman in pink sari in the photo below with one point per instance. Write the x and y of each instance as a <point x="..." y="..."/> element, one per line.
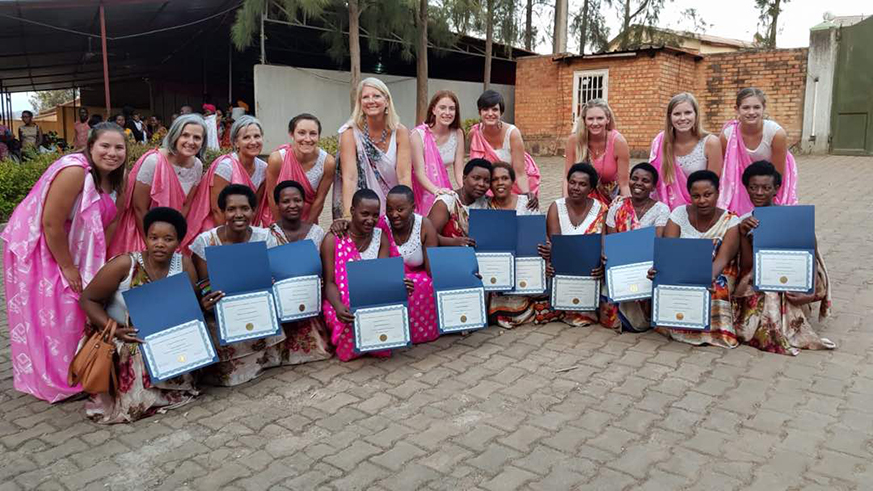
<point x="161" y="177"/>
<point x="682" y="148"/>
<point x="436" y="144"/>
<point x="768" y="141"/>
<point x="595" y="140"/>
<point x="242" y="166"/>
<point x="55" y="242"/>
<point x="301" y="161"/>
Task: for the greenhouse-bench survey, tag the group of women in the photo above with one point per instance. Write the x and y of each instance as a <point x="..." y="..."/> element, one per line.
<point x="87" y="232"/>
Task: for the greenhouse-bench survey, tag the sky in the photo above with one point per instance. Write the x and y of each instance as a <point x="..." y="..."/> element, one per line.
<point x="732" y="19"/>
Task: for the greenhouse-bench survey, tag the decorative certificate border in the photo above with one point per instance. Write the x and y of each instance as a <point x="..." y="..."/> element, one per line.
<point x="705" y="314"/>
<point x="810" y="274"/>
<point x="556" y="280"/>
<point x="609" y="289"/>
<point x="381" y="346"/>
<point x="529" y="291"/>
<point x="293" y="316"/>
<point x="446" y="295"/>
<point x="209" y="359"/>
<point x="219" y="318"/>
<point x="496" y="287"/>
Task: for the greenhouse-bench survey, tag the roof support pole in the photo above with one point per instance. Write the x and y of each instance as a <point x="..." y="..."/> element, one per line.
<point x="105" y="61"/>
<point x="263" y="45"/>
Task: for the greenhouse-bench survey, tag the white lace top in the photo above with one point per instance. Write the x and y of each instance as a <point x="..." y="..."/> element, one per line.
<point x="567" y="228"/>
<point x="411" y="250"/>
<point x="189" y="177"/>
<point x="315" y="234"/>
<point x="449" y="200"/>
<point x="505" y="152"/>
<point x="314" y="174"/>
<point x="695" y="160"/>
<point x="372" y="250"/>
<point x="447" y="149"/>
<point x="117" y="308"/>
<point x="765" y="149"/>
<point x="679" y="216"/>
<point x="225" y="170"/>
<point x="210" y="238"/>
<point x="656" y="216"/>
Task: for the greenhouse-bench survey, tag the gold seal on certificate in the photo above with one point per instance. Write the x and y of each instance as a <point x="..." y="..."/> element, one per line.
<point x="633" y="288"/>
<point x="463" y="318"/>
<point x="522" y="284"/>
<point x="302" y="308"/>
<point x="575" y="301"/>
<point x="181" y="359"/>
<point x="784" y="271"/>
<point x="250" y="326"/>
<point x="461" y="310"/>
<point x="497" y="270"/>
<point x="679" y="316"/>
<point x="628" y="282"/>
<point x="493" y="280"/>
<point x="783" y="279"/>
<point x="383" y="337"/>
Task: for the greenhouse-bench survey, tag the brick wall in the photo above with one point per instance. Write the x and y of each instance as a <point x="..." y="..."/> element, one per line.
<point x="641" y="86"/>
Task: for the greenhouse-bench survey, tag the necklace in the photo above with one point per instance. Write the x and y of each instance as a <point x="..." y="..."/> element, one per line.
<point x="708" y="225"/>
<point x="585" y="210"/>
<point x="361" y="247"/>
<point x="370" y="139"/>
<point x="642" y="213"/>
<point x="397" y="237"/>
<point x="147" y="266"/>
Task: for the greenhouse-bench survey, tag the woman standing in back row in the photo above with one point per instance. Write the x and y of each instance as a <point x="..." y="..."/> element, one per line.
<point x="595" y="140"/>
<point x="436" y="144"/>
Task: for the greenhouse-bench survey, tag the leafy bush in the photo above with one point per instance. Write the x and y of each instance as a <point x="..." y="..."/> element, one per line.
<point x="17" y="179"/>
<point x="330" y="144"/>
<point x="468" y="123"/>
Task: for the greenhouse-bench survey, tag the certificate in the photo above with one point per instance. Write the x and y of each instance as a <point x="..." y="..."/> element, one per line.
<point x="461" y="310"/>
<point x="246" y="316"/>
<point x="497" y="270"/>
<point x="298" y="298"/>
<point x="530" y="276"/>
<point x="784" y="270"/>
<point x="381" y="328"/>
<point x="685" y="307"/>
<point x="629" y="282"/>
<point x="178" y="350"/>
<point x="575" y="293"/>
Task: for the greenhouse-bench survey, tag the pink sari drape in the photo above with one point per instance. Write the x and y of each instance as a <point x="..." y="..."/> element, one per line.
<point x="200" y="214"/>
<point x="673" y="194"/>
<point x="480" y="148"/>
<point x="165" y="191"/>
<point x="293" y="171"/>
<point x="434" y="169"/>
<point x="732" y="194"/>
<point x="45" y="321"/>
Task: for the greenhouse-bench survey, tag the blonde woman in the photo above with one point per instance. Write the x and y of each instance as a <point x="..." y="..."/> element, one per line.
<point x="682" y="148"/>
<point x="374" y="149"/>
<point x="596" y="141"/>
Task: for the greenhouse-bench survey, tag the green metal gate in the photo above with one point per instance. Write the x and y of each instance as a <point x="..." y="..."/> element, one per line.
<point x="852" y="117"/>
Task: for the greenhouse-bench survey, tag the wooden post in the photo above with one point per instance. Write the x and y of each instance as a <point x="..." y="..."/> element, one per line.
<point x="105" y="62"/>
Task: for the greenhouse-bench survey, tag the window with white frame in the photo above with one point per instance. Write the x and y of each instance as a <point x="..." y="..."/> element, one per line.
<point x="587" y="85"/>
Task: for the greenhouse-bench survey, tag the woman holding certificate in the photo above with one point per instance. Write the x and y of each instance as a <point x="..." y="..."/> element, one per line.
<point x="436" y="144"/>
<point x="450" y="213"/>
<point x="702" y="219"/>
<point x="596" y="140"/>
<point x="305" y="340"/>
<point x="55" y="242"/>
<point x="135" y="397"/>
<point x="578" y="214"/>
<point x="245" y="360"/>
<point x="775" y="321"/>
<point x="632" y="213"/>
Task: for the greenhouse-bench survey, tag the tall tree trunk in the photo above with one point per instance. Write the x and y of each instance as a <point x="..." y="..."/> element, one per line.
<point x="354" y="49"/>
<point x="489" y="42"/>
<point x="528" y="25"/>
<point x="625" y="26"/>
<point x="421" y="65"/>
<point x="583" y="36"/>
<point x="774" y="17"/>
<point x="560" y="37"/>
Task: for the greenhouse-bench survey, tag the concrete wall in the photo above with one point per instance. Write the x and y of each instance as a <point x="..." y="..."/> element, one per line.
<point x="823" y="49"/>
<point x="282" y="92"/>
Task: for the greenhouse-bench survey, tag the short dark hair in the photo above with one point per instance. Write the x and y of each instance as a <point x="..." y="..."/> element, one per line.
<point x="762" y="168"/>
<point x="489" y="98"/>
<point x="586" y="168"/>
<point x="292" y="125"/>
<point x="237" y="190"/>
<point x="166" y="214"/>
<point x="27" y="112"/>
<point x="362" y="194"/>
<point x="473" y="163"/>
<point x="277" y="191"/>
<point x="403" y="190"/>
<point x="645" y="166"/>
<point x="505" y="166"/>
<point x="702" y="175"/>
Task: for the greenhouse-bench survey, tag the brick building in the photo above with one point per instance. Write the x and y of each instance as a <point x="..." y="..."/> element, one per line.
<point x="638" y="85"/>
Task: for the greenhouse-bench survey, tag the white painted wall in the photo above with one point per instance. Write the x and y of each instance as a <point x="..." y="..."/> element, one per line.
<point x="821" y="62"/>
<point x="281" y="92"/>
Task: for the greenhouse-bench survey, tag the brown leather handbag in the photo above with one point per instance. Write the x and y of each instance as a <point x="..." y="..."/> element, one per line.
<point x="93" y="365"/>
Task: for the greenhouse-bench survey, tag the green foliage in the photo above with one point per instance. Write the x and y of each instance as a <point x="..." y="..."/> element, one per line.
<point x="468" y="123"/>
<point x="48" y="99"/>
<point x="588" y="25"/>
<point x="330" y="144"/>
<point x="768" y="22"/>
<point x="17" y="179"/>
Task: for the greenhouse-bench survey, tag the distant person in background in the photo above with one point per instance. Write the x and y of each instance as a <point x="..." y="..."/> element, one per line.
<point x="211" y="126"/>
<point x="94" y="120"/>
<point x="156" y="130"/>
<point x="81" y="127"/>
<point x="186" y="109"/>
<point x="137" y="127"/>
<point x="30" y="134"/>
<point x="119" y="119"/>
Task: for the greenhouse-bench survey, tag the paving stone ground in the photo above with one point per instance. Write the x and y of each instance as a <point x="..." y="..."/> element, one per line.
<point x="495" y="410"/>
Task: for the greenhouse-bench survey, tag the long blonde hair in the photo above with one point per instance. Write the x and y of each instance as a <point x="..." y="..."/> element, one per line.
<point x="391" y="118"/>
<point x="581" y="130"/>
<point x="668" y="164"/>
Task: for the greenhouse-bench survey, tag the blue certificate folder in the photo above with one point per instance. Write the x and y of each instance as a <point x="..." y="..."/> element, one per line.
<point x="629" y="255"/>
<point x="296" y="270"/>
<point x="494" y="230"/>
<point x="161" y="310"/>
<point x="294" y="260"/>
<point x="530" y="232"/>
<point x="242" y="272"/>
<point x="784" y="248"/>
<point x="684" y="267"/>
<point x="376" y="285"/>
<point x="458" y="292"/>
<point x="575" y="255"/>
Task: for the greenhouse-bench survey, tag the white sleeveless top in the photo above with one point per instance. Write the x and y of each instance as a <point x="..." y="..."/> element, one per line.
<point x="679" y="216"/>
<point x="411" y="251"/>
<point x="225" y="170"/>
<point x="695" y="160"/>
<point x="117" y="308"/>
<point x="567" y="227"/>
<point x="765" y="149"/>
<point x="504" y="153"/>
<point x="372" y="250"/>
<point x="314" y="174"/>
<point x="447" y="149"/>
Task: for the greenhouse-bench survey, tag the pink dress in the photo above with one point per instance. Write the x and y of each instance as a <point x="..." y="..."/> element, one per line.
<point x="480" y="148"/>
<point x="676" y="193"/>
<point x="45" y="321"/>
<point x="434" y="169"/>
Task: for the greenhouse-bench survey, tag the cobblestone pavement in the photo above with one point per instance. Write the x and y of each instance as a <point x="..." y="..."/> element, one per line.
<point x="499" y="410"/>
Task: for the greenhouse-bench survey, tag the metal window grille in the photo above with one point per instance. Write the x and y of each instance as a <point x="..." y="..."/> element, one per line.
<point x="587" y="85"/>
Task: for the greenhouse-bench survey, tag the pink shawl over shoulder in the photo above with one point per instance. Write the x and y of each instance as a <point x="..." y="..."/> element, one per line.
<point x="480" y="148"/>
<point x="200" y="214"/>
<point x="291" y="170"/>
<point x="165" y="191"/>
<point x="732" y="194"/>
<point x="434" y="169"/>
<point x="673" y="194"/>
